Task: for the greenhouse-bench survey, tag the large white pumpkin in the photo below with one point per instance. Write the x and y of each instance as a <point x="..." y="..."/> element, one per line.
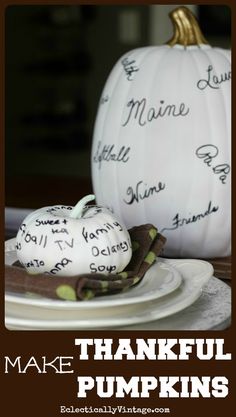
<point x="162" y="140"/>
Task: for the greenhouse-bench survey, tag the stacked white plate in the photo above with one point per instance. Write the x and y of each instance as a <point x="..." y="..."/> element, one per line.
<point x="168" y="287"/>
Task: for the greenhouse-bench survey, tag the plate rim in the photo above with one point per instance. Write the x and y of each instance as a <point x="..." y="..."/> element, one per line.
<point x="96" y="302"/>
<point x="180" y="305"/>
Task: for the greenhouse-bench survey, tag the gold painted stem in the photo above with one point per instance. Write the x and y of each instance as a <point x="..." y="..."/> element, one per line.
<point x="186" y="28"/>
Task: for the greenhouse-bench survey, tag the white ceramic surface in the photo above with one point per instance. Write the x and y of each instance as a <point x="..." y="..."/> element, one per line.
<point x="157" y="282"/>
<point x="212" y="311"/>
<point x="195" y="274"/>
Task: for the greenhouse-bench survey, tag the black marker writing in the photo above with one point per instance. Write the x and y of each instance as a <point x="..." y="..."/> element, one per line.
<point x="129" y="67"/>
<point x="35" y="263"/>
<point x="62" y="243"/>
<point x="138" y="110"/>
<point x="59" y="266"/>
<point x="100" y="230"/>
<point x="107" y="153"/>
<point x="208" y="153"/>
<point x="142" y="191"/>
<point x="108" y="250"/>
<point x="178" y="221"/>
<point x="104" y="99"/>
<point x="63" y="230"/>
<point x="37" y="240"/>
<point x="212" y="80"/>
<point x="102" y="268"/>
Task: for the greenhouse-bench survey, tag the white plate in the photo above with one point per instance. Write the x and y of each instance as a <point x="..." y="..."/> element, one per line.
<point x="195" y="274"/>
<point x="156" y="283"/>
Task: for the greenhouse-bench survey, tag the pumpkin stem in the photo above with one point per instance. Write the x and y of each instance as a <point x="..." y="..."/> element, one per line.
<point x="77" y="211"/>
<point x="186" y="28"/>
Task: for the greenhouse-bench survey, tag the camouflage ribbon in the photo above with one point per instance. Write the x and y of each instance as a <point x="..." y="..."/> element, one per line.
<point x="147" y="244"/>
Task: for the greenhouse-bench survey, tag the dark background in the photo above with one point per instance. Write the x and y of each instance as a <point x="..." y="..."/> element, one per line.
<point x="57" y="61"/>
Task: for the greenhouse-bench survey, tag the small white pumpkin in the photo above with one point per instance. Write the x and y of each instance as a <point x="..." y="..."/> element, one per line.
<point x="162" y="141"/>
<point x="62" y="240"/>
